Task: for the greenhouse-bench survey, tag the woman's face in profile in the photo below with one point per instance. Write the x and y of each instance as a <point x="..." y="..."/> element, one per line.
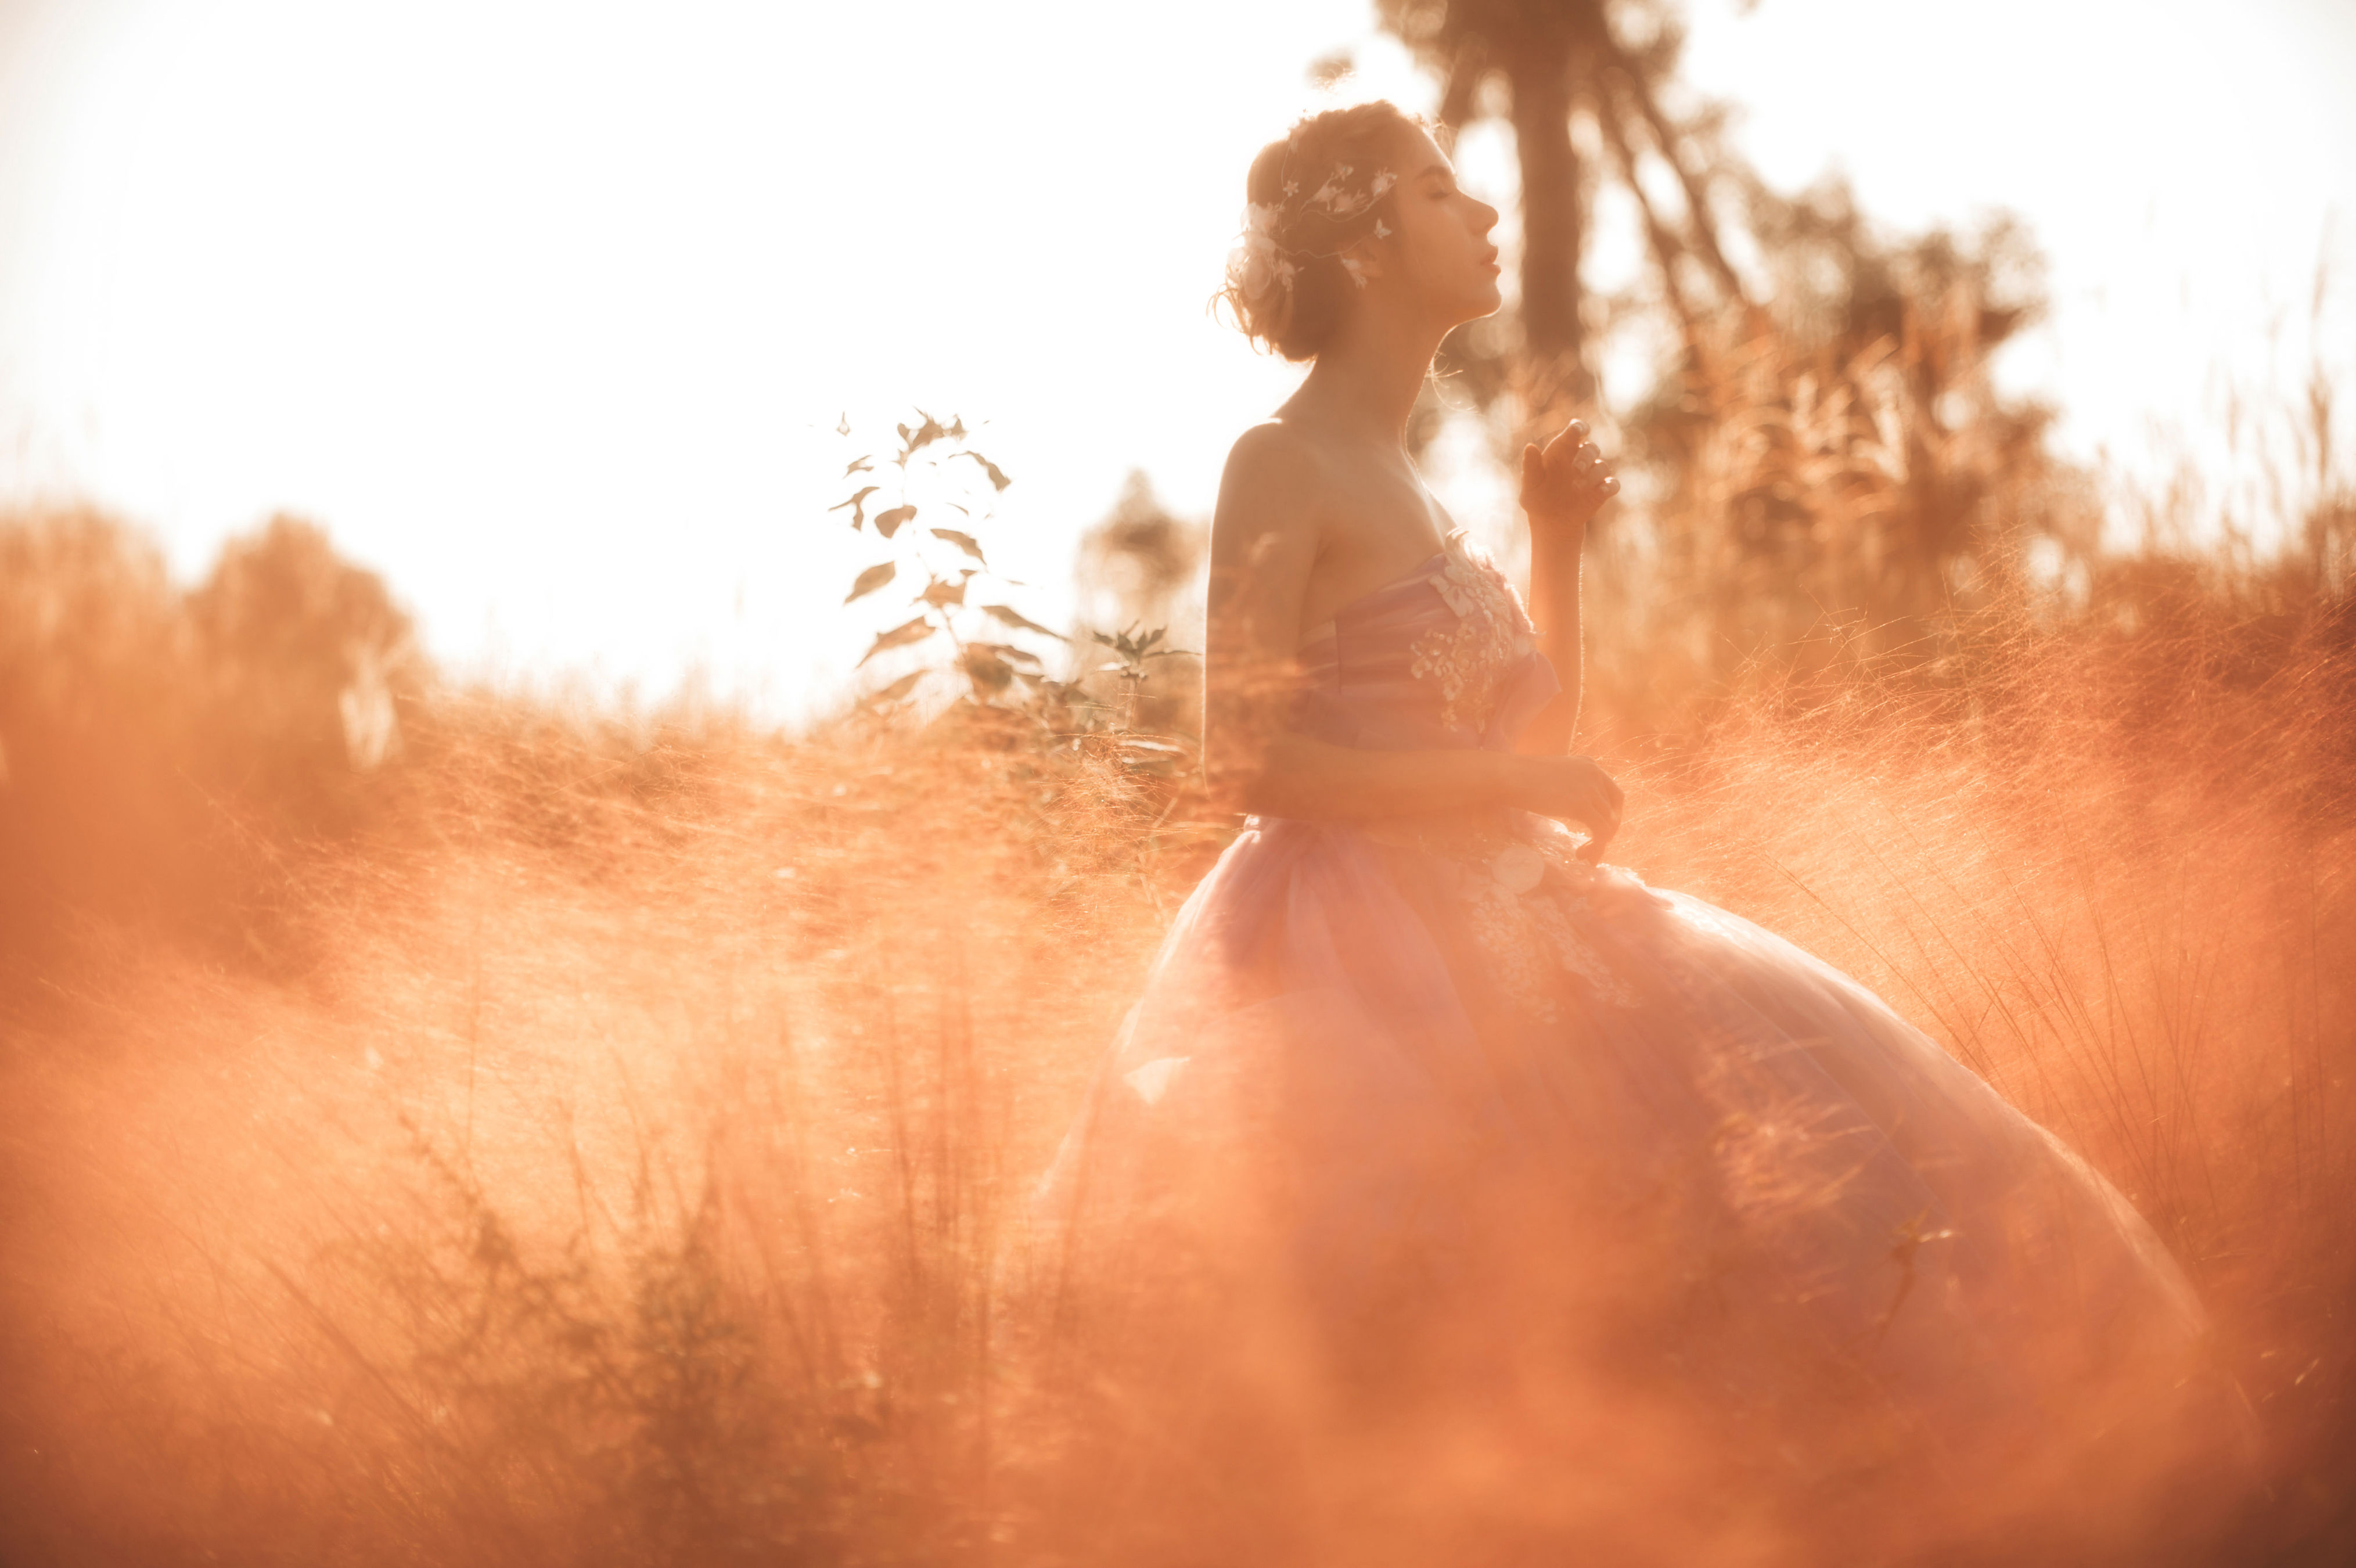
<point x="1440" y="252"/>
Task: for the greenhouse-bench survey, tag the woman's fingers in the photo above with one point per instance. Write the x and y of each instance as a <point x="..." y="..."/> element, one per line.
<point x="1568" y="473"/>
<point x="1575" y="790"/>
<point x="1604" y="826"/>
<point x="1602" y="822"/>
<point x="1594" y="800"/>
<point x="1584" y="464"/>
<point x="1568" y="453"/>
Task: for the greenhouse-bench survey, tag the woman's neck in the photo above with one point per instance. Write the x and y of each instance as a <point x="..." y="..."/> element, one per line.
<point x="1366" y="380"/>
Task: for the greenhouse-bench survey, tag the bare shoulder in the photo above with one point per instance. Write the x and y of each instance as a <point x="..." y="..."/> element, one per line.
<point x="1268" y="494"/>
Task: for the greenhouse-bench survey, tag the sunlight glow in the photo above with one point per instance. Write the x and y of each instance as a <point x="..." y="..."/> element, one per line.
<point x="549" y="312"/>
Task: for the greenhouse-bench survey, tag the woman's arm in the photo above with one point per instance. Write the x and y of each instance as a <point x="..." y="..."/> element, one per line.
<point x="1564" y="484"/>
<point x="1299" y="776"/>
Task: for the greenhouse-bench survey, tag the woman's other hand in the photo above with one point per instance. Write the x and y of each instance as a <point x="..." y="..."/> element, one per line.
<point x="1566" y="482"/>
<point x="1571" y="790"/>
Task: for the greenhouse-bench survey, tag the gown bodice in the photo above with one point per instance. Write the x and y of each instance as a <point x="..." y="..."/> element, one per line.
<point x="1441" y="658"/>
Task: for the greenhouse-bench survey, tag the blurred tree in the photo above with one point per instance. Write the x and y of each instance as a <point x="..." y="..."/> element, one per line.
<point x="1822" y="439"/>
<point x="1602" y="62"/>
<point x="1846" y="455"/>
<point x="161" y="752"/>
<point x="308" y="661"/>
<point x="94" y="719"/>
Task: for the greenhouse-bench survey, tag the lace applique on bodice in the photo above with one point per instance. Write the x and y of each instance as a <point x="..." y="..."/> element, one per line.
<point x="1491" y="632"/>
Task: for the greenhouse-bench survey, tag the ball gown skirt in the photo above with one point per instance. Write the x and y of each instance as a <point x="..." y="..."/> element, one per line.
<point x="1414" y="1051"/>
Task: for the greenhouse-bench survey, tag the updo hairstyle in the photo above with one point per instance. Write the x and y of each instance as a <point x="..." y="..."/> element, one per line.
<point x="1296" y="316"/>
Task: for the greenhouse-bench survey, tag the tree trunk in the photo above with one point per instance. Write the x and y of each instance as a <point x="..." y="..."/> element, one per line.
<point x="1552" y="223"/>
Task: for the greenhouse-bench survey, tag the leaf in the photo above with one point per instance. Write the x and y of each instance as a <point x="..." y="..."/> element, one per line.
<point x="984" y="668"/>
<point x="1134" y="648"/>
<point x="858" y="505"/>
<point x="998" y="479"/>
<point x="898" y="688"/>
<point x="842" y="425"/>
<point x="872" y="578"/>
<point x="1008" y="650"/>
<point x="924" y="435"/>
<point x="941" y="594"/>
<point x="887" y="524"/>
<point x="858" y="465"/>
<point x="964" y="542"/>
<point x="1019" y="621"/>
<point x="900" y="635"/>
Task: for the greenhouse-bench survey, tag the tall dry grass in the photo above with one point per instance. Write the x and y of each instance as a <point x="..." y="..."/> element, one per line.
<point x="594" y="1138"/>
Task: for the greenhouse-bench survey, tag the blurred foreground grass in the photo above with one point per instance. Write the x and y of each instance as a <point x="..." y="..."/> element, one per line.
<point x="449" y="1128"/>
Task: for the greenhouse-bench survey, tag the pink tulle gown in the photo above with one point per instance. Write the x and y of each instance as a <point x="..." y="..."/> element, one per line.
<point x="1416" y="1051"/>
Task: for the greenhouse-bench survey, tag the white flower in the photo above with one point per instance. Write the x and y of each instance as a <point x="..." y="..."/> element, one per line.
<point x="1257" y="274"/>
<point x="1517" y="868"/>
<point x="1351" y="265"/>
<point x="1382" y="229"/>
<point x="1259" y="264"/>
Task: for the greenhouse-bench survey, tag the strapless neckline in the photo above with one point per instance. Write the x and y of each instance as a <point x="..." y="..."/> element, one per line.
<point x="1325" y="629"/>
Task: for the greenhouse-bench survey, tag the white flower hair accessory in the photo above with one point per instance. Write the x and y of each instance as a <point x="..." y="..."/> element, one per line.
<point x="1260" y="265"/>
<point x="1263" y="265"/>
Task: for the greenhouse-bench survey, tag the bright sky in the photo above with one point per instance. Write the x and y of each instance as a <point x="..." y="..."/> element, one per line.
<point x="549" y="311"/>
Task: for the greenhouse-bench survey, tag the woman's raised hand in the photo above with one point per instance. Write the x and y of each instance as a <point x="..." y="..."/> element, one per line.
<point x="1571" y="790"/>
<point x="1567" y="481"/>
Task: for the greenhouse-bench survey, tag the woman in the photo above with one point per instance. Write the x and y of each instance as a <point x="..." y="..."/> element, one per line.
<point x="1416" y="1052"/>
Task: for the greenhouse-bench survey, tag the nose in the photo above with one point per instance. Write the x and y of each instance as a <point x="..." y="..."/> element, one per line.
<point x="1488" y="216"/>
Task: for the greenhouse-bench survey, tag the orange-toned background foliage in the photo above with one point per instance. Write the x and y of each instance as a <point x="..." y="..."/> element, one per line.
<point x="447" y="1125"/>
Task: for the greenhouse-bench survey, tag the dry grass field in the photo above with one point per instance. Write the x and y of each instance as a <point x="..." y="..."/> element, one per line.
<point x="584" y="1137"/>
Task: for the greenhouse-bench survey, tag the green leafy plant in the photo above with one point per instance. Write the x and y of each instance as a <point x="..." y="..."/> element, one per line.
<point x="937" y="470"/>
<point x="1133" y="649"/>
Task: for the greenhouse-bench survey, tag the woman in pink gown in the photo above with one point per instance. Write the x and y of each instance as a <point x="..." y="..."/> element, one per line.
<point x="1411" y="1054"/>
